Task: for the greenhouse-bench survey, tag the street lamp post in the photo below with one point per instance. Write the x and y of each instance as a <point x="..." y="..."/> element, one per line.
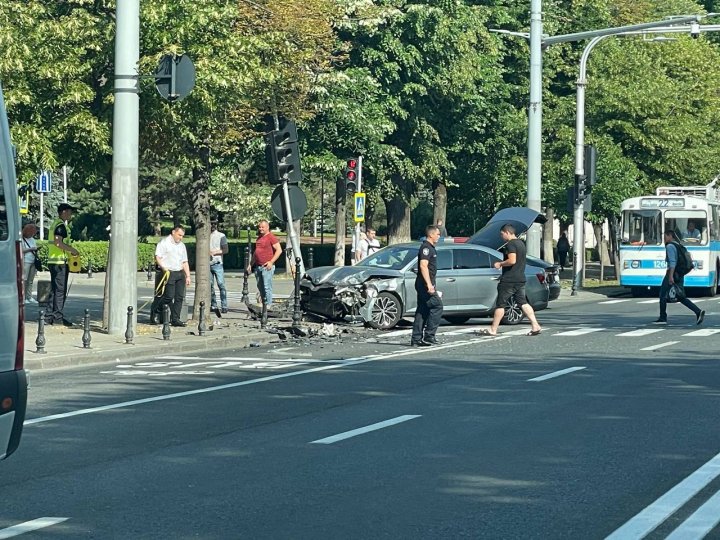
<point x="534" y="157"/>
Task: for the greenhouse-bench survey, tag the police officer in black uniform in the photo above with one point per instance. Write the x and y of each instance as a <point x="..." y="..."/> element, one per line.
<point x="429" y="305"/>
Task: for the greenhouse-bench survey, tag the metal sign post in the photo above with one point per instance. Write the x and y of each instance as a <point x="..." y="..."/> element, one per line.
<point x="359" y="190"/>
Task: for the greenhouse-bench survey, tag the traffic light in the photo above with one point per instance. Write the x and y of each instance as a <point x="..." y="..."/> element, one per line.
<point x="352" y="171"/>
<point x="590" y="166"/>
<point x="282" y="155"/>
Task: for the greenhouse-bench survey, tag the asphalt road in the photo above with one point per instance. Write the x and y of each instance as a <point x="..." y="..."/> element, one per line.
<point x="602" y="425"/>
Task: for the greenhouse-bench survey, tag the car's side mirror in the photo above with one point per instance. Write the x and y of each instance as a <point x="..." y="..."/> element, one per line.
<point x="414" y="270"/>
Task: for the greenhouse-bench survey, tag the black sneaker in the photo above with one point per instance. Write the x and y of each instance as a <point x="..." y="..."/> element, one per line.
<point x="700" y="317"/>
<point x="420" y="344"/>
<point x="431" y="340"/>
<point x="660" y="321"/>
<point x="216" y="310"/>
<point x="178" y="323"/>
<point x="67" y="323"/>
<point x="224" y="310"/>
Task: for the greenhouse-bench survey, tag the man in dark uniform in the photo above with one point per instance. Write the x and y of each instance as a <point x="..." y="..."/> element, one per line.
<point x="429" y="305"/>
<point x="57" y="262"/>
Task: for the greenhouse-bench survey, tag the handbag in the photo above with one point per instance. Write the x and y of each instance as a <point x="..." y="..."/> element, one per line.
<point x="675" y="293"/>
<point x="37" y="263"/>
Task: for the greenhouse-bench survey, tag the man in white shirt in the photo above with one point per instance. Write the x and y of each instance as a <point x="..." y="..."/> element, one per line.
<point x="171" y="278"/>
<point x="367" y="245"/>
<point x="218" y="248"/>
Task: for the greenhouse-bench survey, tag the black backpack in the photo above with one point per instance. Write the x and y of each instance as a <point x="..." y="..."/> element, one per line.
<point x="684" y="262"/>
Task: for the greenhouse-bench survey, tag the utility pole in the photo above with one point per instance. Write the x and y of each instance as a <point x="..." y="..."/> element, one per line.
<point x="534" y="159"/>
<point x="124" y="218"/>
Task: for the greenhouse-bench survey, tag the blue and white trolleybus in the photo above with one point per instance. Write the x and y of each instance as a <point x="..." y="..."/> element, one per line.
<point x="693" y="212"/>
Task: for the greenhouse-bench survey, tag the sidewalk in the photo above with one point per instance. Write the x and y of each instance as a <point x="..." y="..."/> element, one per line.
<point x="64" y="345"/>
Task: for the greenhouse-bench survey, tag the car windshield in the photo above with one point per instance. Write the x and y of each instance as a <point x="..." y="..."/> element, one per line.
<point x="393" y="257"/>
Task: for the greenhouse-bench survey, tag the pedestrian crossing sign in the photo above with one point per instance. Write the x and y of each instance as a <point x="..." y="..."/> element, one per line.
<point x="359" y="207"/>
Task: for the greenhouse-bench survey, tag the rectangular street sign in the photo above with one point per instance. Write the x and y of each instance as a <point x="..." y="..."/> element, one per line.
<point x="43" y="184"/>
<point x="359" y="207"/>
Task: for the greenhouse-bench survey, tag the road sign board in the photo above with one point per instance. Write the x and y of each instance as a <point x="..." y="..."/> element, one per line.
<point x="175" y="77"/>
<point x="43" y="184"/>
<point x="359" y="207"/>
<point x="298" y="202"/>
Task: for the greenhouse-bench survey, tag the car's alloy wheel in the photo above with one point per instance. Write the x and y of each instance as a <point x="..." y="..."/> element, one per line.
<point x="386" y="312"/>
<point x="513" y="313"/>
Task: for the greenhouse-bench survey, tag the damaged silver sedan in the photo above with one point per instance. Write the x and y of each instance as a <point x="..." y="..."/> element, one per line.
<point x="380" y="290"/>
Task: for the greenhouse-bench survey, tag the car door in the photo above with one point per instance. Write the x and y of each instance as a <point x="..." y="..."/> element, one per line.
<point x="445" y="280"/>
<point x="476" y="279"/>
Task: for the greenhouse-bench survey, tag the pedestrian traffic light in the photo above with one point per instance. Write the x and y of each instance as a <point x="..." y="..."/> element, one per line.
<point x="352" y="171"/>
<point x="282" y="155"/>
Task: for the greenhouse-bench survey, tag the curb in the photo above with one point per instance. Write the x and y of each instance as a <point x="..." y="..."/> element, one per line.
<point x="136" y="353"/>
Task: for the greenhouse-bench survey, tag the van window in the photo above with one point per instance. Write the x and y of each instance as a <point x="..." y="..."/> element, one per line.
<point x="3" y="211"/>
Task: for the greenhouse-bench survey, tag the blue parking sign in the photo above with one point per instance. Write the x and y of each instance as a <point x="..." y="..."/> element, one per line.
<point x="43" y="184"/>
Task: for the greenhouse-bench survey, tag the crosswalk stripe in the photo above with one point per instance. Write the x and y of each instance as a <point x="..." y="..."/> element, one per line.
<point x="703" y="333"/>
<point x="615" y="301"/>
<point x="579" y="332"/>
<point x="641" y="332"/>
<point x="659" y="346"/>
<point x="653" y="301"/>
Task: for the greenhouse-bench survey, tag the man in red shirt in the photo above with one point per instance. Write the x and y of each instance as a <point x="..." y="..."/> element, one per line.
<point x="267" y="251"/>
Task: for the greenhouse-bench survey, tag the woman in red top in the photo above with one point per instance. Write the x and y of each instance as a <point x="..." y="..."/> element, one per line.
<point x="262" y="263"/>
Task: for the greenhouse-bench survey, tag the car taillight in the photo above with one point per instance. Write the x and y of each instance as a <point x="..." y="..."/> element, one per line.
<point x="19" y="359"/>
<point x="541" y="277"/>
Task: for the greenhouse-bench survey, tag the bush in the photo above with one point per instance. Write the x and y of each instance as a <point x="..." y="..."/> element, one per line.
<point x="96" y="254"/>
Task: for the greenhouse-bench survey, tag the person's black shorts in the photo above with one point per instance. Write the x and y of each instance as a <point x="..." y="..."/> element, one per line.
<point x="506" y="290"/>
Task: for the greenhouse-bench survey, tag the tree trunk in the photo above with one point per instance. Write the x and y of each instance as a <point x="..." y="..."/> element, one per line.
<point x="548" y="235"/>
<point x="398" y="214"/>
<point x="339" y="226"/>
<point x="201" y="217"/>
<point x="440" y="202"/>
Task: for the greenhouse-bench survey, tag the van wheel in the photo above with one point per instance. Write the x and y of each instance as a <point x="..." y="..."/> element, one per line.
<point x="712" y="291"/>
<point x="386" y="312"/>
<point x="513" y="313"/>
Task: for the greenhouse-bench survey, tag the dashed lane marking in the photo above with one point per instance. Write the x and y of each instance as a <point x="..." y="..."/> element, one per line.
<point x="29" y="526"/>
<point x="556" y="374"/>
<point x="366" y="429"/>
<point x="659" y="346"/>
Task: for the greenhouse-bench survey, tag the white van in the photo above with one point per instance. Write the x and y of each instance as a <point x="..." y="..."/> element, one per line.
<point x="13" y="381"/>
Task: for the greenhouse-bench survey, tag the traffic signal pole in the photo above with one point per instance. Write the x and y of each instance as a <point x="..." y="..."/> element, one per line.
<point x="124" y="221"/>
<point x="359" y="190"/>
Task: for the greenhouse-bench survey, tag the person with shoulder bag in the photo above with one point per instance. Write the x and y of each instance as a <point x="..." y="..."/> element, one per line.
<point x="673" y="282"/>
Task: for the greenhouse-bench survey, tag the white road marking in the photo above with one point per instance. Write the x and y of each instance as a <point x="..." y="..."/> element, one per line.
<point x="653" y="301"/>
<point x="703" y="332"/>
<point x="615" y="301"/>
<point x="556" y="374"/>
<point x="396" y="333"/>
<point x="653" y="515"/>
<point x="29" y="526"/>
<point x="197" y="391"/>
<point x="700" y="523"/>
<point x="641" y="332"/>
<point x="366" y="429"/>
<point x="659" y="346"/>
<point x="286" y="350"/>
<point x="579" y="332"/>
<point x="469" y="330"/>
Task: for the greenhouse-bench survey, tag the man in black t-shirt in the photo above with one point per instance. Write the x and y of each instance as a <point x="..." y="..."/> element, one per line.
<point x="429" y="305"/>
<point x="512" y="282"/>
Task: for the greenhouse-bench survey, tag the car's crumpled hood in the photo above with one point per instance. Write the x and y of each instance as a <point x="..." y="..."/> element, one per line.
<point x="348" y="275"/>
<point x="519" y="217"/>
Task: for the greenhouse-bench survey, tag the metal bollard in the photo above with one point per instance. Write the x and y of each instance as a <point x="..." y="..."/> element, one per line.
<point x="201" y="320"/>
<point x="149" y="272"/>
<point x="311" y="258"/>
<point x="86" y="330"/>
<point x="89" y="274"/>
<point x="129" y="328"/>
<point x="166" y="322"/>
<point x="40" y="340"/>
<point x="297" y="316"/>
<point x="245" y="294"/>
